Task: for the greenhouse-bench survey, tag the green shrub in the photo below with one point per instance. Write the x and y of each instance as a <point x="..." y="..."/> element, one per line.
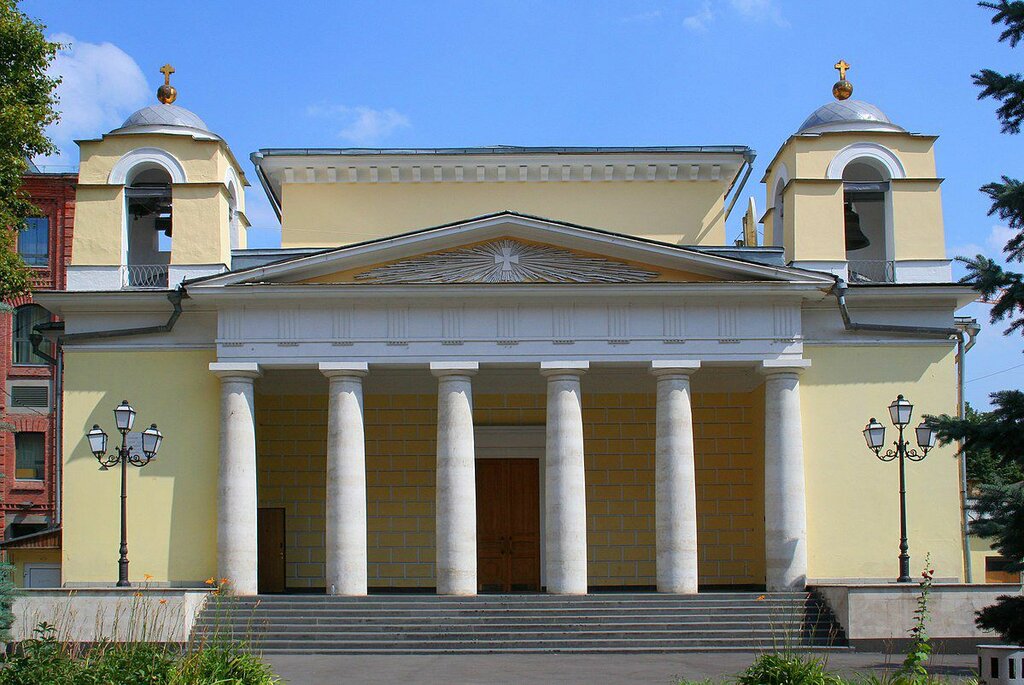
<point x="223" y="665"/>
<point x="45" y="660"/>
<point x="1006" y="617"/>
<point x="787" y="669"/>
<point x="7" y="591"/>
<point x="42" y="661"/>
<point x="128" y="663"/>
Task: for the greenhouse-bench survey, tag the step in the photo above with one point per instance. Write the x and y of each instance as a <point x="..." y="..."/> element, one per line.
<point x="550" y="620"/>
<point x="342" y="651"/>
<point x="607" y="622"/>
<point x="501" y="645"/>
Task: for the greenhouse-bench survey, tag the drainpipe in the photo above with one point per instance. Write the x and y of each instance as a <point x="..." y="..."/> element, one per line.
<point x="839" y="290"/>
<point x="971" y="329"/>
<point x="58" y="430"/>
<point x="57" y="362"/>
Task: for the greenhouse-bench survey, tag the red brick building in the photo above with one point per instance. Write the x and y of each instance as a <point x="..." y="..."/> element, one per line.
<point x="29" y="468"/>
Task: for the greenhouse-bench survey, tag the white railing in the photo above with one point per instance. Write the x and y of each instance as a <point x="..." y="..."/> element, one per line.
<point x="872" y="271"/>
<point x="144" y="276"/>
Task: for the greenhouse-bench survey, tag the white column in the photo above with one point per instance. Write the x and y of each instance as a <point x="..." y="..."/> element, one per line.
<point x="675" y="479"/>
<point x="456" y="479"/>
<point x="785" y="509"/>
<point x="565" y="490"/>
<point x="236" y="484"/>
<point x="345" y="523"/>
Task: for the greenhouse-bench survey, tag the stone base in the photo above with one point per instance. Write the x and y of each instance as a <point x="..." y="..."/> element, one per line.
<point x="877" y="616"/>
<point x="92" y="615"/>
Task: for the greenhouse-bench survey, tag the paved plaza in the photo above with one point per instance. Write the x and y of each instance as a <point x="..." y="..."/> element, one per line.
<point x="562" y="669"/>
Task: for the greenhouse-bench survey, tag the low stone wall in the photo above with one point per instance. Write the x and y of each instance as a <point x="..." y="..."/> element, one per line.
<point x="121" y="614"/>
<point x="878" y="615"/>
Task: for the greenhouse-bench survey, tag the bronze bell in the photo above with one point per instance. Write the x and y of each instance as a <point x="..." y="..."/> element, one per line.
<point x="855" y="238"/>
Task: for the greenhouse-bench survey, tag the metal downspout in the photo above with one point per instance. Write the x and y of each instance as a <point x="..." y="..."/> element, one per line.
<point x="58" y="452"/>
<point x="839" y="290"/>
<point x="971" y="328"/>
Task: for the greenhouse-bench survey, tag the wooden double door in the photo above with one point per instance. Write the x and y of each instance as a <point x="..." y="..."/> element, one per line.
<point x="508" y="525"/>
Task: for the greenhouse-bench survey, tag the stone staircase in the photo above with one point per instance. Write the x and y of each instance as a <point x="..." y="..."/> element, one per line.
<point x="604" y="622"/>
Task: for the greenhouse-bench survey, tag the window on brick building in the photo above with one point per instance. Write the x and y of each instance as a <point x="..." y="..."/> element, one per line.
<point x="34" y="241"/>
<point x="26" y="318"/>
<point x="29" y="456"/>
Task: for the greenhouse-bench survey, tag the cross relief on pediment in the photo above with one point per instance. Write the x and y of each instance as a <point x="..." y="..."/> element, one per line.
<point x="507" y="261"/>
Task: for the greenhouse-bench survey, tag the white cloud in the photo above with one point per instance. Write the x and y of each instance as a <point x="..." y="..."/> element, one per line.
<point x="998" y="237"/>
<point x="760" y="10"/>
<point x="992" y="247"/>
<point x="700" y="19"/>
<point x="101" y="86"/>
<point x="361" y="125"/>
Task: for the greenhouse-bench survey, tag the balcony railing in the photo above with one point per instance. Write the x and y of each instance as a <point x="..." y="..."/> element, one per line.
<point x="872" y="271"/>
<point x="144" y="276"/>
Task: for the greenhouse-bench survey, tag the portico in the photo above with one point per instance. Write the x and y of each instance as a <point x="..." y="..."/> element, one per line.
<point x="671" y="497"/>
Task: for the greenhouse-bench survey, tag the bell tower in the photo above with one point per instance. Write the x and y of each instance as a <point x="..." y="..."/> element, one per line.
<point x="160" y="200"/>
<point x="856" y="195"/>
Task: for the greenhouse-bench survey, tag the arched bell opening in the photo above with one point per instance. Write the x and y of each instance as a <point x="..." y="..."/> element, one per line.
<point x="866" y="220"/>
<point x="148" y="213"/>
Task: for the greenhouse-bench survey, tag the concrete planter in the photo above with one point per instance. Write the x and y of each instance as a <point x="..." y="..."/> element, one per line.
<point x="1000" y="665"/>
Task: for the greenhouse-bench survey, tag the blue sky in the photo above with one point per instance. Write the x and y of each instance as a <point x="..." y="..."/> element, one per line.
<point x="397" y="74"/>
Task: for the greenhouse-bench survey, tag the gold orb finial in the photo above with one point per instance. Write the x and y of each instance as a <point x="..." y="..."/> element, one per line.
<point x="842" y="89"/>
<point x="167" y="93"/>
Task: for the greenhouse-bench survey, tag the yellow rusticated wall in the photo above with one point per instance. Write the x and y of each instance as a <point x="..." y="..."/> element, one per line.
<point x="172" y="502"/>
<point x="852" y="497"/>
<point x="199" y="218"/>
<point x="328" y="215"/>
<point x="619" y="433"/>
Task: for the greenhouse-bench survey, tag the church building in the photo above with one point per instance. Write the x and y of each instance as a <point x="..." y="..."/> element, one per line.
<point x="509" y="369"/>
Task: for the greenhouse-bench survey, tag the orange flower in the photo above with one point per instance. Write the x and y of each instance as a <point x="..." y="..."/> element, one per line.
<point x="223" y="581"/>
<point x="211" y="581"/>
<point x="760" y="599"/>
<point x="147" y="576"/>
<point x="138" y="594"/>
<point x="163" y="601"/>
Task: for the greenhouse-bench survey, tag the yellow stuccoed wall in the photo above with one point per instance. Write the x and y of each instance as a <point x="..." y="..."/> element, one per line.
<point x="332" y="214"/>
<point x="852" y="497"/>
<point x="619" y="433"/>
<point x="172" y="502"/>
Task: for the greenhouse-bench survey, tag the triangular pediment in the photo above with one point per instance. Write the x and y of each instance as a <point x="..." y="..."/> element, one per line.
<point x="509" y="248"/>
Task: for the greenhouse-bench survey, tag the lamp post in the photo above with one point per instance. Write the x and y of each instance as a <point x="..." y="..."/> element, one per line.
<point x="874" y="435"/>
<point x="124" y="417"/>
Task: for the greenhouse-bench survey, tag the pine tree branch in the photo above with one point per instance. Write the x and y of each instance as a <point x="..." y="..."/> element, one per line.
<point x="1011" y="14"/>
<point x="1007" y="89"/>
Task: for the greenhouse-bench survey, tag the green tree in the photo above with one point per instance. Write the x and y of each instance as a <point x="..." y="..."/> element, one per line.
<point x="983" y="467"/>
<point x="999" y="434"/>
<point x="28" y="107"/>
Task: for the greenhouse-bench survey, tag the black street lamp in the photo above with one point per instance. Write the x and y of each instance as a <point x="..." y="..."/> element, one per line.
<point x="124" y="417"/>
<point x="874" y="434"/>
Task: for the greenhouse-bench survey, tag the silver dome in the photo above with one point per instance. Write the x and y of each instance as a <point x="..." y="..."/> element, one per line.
<point x="165" y="119"/>
<point x="848" y="115"/>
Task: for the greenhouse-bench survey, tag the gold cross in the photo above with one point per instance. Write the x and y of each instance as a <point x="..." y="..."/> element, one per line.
<point x="842" y="66"/>
<point x="167" y="70"/>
